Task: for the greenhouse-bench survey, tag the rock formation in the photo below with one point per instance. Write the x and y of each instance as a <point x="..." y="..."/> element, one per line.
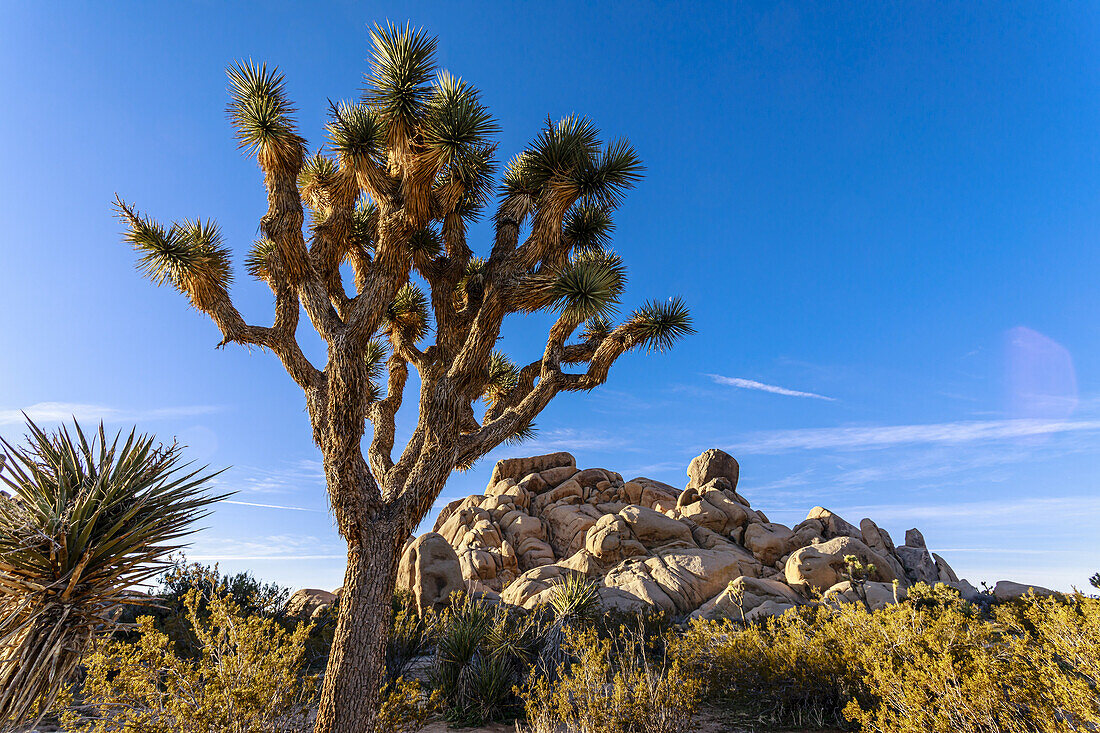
<point x="702" y="551"/>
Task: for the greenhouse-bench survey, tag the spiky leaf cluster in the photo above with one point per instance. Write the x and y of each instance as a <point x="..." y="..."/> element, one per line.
<point x="260" y="259"/>
<point x="522" y="434"/>
<point x="318" y="177"/>
<point x="425" y="245"/>
<point x="402" y="64"/>
<point x="90" y="518"/>
<point x="588" y="226"/>
<point x="407" y="315"/>
<point x="457" y="138"/>
<point x="262" y="114"/>
<point x="565" y="163"/>
<point x="471" y="285"/>
<point x="356" y="132"/>
<point x="503" y="375"/>
<point x="188" y="255"/>
<point x="659" y="324"/>
<point x="374" y="358"/>
<point x="597" y="328"/>
<point x="588" y="286"/>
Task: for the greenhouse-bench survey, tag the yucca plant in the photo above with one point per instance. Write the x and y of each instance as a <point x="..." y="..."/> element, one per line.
<point x="87" y="521"/>
<point x="482" y="651"/>
<point x="575" y="600"/>
<point x="407" y="167"/>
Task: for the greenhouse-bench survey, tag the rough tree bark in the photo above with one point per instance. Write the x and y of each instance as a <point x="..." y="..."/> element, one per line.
<point x="413" y="165"/>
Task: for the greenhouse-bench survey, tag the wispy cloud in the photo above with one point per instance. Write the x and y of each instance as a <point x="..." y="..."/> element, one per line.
<point x="567" y="439"/>
<point x="273" y="506"/>
<point x="997" y="512"/>
<point x="741" y="383"/>
<point x="1005" y="551"/>
<point x="287" y="477"/>
<point x="47" y="412"/>
<point x="781" y="441"/>
<point x="272" y="547"/>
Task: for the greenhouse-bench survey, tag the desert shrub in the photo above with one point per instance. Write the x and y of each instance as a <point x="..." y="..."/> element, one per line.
<point x="405" y="707"/>
<point x="481" y="652"/>
<point x="167" y="603"/>
<point x="1031" y="665"/>
<point x="410" y="636"/>
<point x="613" y="687"/>
<point x="933" y="664"/>
<point x="247" y="677"/>
<point x="785" y="671"/>
<point x="574" y="601"/>
<point x="1058" y="641"/>
<point x="937" y="668"/>
<point x="253" y="595"/>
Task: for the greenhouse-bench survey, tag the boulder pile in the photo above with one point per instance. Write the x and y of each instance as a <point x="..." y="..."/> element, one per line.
<point x="701" y="551"/>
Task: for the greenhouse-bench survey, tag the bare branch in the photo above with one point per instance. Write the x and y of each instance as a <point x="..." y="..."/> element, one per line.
<point x="382" y="416"/>
<point x="213" y="299"/>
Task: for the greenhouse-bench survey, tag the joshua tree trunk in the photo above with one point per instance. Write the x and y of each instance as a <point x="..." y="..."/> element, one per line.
<point x="350" y="693"/>
<point x="414" y="165"/>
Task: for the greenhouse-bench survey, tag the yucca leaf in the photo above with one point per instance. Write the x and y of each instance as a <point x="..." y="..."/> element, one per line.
<point x="402" y="65"/>
<point x="611" y="175"/>
<point x="597" y="328"/>
<point x="522" y="434"/>
<point x="259" y="259"/>
<point x="589" y="285"/>
<point x="408" y="313"/>
<point x="375" y="357"/>
<point x="456" y="122"/>
<point x="318" y="175"/>
<point x="262" y="114"/>
<point x="659" y="324"/>
<point x="364" y="225"/>
<point x="562" y="149"/>
<point x="356" y="132"/>
<point x="503" y="375"/>
<point x="88" y="519"/>
<point x="587" y="226"/>
<point x="189" y="255"/>
<point x="425" y="245"/>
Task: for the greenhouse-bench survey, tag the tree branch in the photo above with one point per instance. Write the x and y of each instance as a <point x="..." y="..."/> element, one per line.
<point x="382" y="415"/>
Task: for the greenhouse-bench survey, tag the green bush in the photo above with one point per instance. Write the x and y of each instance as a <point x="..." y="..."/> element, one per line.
<point x="1032" y="665"/>
<point x="244" y="672"/>
<point x="614" y="686"/>
<point x="167" y="603"/>
<point x="246" y="675"/>
<point x="932" y="664"/>
<point x="482" y="651"/>
<point x="786" y="671"/>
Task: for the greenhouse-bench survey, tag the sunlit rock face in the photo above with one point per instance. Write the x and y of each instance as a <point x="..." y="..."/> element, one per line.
<point x="700" y="551"/>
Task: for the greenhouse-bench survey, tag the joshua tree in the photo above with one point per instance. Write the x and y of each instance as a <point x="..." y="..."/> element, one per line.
<point x="87" y="520"/>
<point x="405" y="170"/>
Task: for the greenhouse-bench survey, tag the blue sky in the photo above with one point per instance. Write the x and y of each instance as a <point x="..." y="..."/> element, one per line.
<point x="884" y="217"/>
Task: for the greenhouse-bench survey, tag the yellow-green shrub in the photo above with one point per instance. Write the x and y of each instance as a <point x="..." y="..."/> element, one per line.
<point x="405" y="709"/>
<point x="1060" y="641"/>
<point x="612" y="688"/>
<point x="247" y="677"/>
<point x="937" y="669"/>
<point x="933" y="664"/>
<point x="790" y="670"/>
<point x="1032" y="666"/>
